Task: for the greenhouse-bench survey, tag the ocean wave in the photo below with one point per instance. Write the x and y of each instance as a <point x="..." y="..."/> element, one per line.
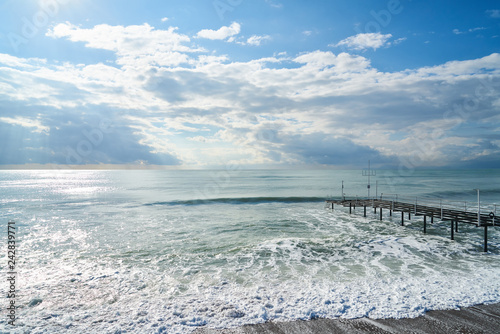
<point x="240" y="200"/>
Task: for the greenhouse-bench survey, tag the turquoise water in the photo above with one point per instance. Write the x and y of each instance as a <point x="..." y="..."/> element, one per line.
<point x="170" y="251"/>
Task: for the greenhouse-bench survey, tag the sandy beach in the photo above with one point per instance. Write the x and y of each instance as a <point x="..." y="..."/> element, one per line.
<point x="474" y="319"/>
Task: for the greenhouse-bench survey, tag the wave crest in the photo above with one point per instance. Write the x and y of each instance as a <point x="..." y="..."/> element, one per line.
<point x="241" y="200"/>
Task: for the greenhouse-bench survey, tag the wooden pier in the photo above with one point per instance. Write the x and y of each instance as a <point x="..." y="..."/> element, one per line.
<point x="442" y="213"/>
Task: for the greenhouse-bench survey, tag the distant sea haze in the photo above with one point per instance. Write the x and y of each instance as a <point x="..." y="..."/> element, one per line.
<point x="170" y="251"/>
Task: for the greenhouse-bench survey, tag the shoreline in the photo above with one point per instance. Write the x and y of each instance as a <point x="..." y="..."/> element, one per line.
<point x="483" y="318"/>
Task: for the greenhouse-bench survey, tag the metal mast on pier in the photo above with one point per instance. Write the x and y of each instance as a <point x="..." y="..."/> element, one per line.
<point x="369" y="172"/>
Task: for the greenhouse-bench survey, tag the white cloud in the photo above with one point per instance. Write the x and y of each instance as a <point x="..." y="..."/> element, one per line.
<point x="27" y="123"/>
<point x="495" y="13"/>
<point x="399" y="40"/>
<point x="342" y="62"/>
<point x="210" y="60"/>
<point x="257" y="40"/>
<point x="365" y="41"/>
<point x="164" y="19"/>
<point x="134" y="45"/>
<point x="202" y="139"/>
<point x="221" y="34"/>
<point x="118" y="38"/>
<point x="464" y="69"/>
<point x="458" y="32"/>
<point x="274" y="4"/>
<point x="13" y="61"/>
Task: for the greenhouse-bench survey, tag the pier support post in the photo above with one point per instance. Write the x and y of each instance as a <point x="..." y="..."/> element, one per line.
<point x="452" y="230"/>
<point x="432" y="219"/>
<point x="402" y="219"/>
<point x="425" y="224"/>
<point x="350" y="207"/>
<point x="374" y="209"/>
<point x="390" y="212"/>
<point x="485" y="238"/>
<point x="332" y="206"/>
<point x="364" y="210"/>
<point x="456" y="225"/>
<point x="380" y="213"/>
<point x="409" y="215"/>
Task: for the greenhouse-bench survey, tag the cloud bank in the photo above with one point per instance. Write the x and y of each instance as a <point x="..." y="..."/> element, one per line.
<point x="164" y="100"/>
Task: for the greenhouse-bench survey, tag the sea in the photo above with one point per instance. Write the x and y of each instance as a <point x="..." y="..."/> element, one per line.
<point x="170" y="251"/>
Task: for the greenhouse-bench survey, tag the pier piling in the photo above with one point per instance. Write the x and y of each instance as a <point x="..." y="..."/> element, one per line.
<point x="485" y="238"/>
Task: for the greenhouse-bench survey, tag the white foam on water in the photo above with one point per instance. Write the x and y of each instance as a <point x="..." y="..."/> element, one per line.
<point x="307" y="264"/>
<point x="133" y="304"/>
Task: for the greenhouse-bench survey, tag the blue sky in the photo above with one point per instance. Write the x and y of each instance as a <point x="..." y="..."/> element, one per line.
<point x="263" y="83"/>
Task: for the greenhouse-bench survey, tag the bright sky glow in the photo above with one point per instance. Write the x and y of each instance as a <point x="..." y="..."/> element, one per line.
<point x="254" y="83"/>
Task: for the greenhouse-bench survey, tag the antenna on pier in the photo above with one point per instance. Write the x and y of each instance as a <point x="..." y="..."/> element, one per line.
<point x="343" y="194"/>
<point x="369" y="172"/>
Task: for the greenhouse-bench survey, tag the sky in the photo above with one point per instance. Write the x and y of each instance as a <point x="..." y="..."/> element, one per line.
<point x="261" y="83"/>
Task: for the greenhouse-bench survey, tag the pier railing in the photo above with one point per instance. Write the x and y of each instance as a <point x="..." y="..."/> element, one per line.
<point x="466" y="206"/>
<point x="459" y="205"/>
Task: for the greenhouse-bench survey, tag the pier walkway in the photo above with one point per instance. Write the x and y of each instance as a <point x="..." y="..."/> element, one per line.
<point x="443" y="212"/>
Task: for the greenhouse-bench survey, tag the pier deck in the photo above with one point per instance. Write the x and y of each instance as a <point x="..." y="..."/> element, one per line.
<point x="443" y="213"/>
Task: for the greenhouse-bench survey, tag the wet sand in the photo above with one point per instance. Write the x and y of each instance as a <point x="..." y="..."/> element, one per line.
<point x="474" y="319"/>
